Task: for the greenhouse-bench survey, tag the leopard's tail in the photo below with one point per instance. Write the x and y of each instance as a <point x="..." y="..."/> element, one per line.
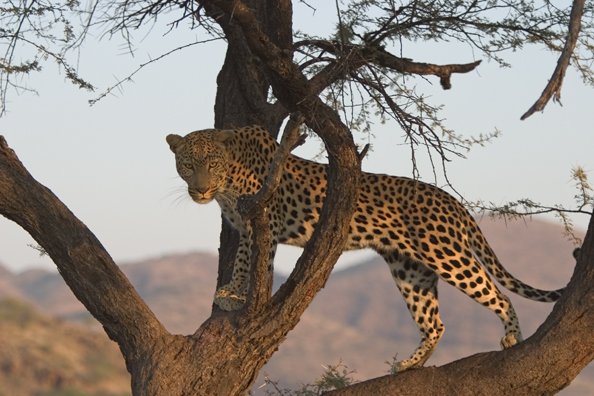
<point x="489" y="260"/>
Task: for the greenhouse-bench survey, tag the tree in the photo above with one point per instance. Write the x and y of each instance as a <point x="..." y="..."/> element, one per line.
<point x="265" y="77"/>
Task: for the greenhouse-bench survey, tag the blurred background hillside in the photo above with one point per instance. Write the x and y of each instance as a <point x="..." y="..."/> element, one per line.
<point x="50" y="346"/>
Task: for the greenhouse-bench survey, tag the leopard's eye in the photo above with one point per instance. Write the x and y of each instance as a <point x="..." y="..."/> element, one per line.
<point x="186" y="169"/>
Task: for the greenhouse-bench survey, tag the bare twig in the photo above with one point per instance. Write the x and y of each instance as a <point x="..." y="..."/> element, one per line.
<point x="351" y="57"/>
<point x="143" y="65"/>
<point x="553" y="88"/>
<point x="363" y="152"/>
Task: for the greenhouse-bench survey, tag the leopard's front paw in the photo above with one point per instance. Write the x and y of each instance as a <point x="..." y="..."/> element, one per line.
<point x="228" y="300"/>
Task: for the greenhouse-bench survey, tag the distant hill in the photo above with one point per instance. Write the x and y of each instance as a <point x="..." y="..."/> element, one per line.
<point x="44" y="356"/>
<point x="359" y="317"/>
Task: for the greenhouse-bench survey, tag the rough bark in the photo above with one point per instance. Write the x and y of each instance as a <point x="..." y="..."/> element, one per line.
<point x="242" y="83"/>
<point x="83" y="262"/>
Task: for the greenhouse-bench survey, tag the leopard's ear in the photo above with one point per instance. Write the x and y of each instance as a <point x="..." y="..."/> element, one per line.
<point x="175" y="142"/>
<point x="223" y="136"/>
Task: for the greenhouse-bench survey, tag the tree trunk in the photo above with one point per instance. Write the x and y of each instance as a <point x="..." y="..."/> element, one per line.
<point x="241" y="100"/>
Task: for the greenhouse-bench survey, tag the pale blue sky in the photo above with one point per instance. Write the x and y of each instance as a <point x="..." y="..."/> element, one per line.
<point x="111" y="166"/>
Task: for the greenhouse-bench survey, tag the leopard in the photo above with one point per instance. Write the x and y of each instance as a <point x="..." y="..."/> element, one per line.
<point x="422" y="232"/>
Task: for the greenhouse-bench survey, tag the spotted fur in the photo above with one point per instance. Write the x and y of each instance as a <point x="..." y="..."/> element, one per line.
<point x="422" y="232"/>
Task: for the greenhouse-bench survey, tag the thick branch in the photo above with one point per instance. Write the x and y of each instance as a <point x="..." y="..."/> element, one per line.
<point x="251" y="206"/>
<point x="253" y="209"/>
<point x="553" y="88"/>
<point x="407" y="66"/>
<point x="351" y="57"/>
<point x="84" y="264"/>
<point x="258" y="41"/>
<point x="241" y="100"/>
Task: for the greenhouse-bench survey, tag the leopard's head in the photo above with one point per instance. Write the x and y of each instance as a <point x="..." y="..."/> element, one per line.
<point x="203" y="161"/>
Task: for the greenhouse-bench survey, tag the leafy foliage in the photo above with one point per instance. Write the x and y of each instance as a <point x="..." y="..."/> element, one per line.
<point x="584" y="204"/>
<point x="490" y="26"/>
<point x="333" y="377"/>
<point x="39" y="30"/>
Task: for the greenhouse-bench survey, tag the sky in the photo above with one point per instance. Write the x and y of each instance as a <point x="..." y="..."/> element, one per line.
<point x="110" y="164"/>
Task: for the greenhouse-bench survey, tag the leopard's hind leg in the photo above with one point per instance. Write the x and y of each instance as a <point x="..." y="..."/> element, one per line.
<point x="418" y="285"/>
<point x="470" y="277"/>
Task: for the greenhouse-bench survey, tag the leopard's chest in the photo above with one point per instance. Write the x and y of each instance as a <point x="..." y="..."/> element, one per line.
<point x="231" y="214"/>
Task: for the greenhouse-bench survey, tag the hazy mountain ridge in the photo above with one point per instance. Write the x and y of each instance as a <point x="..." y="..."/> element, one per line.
<point x="359" y="316"/>
<point x="44" y="356"/>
